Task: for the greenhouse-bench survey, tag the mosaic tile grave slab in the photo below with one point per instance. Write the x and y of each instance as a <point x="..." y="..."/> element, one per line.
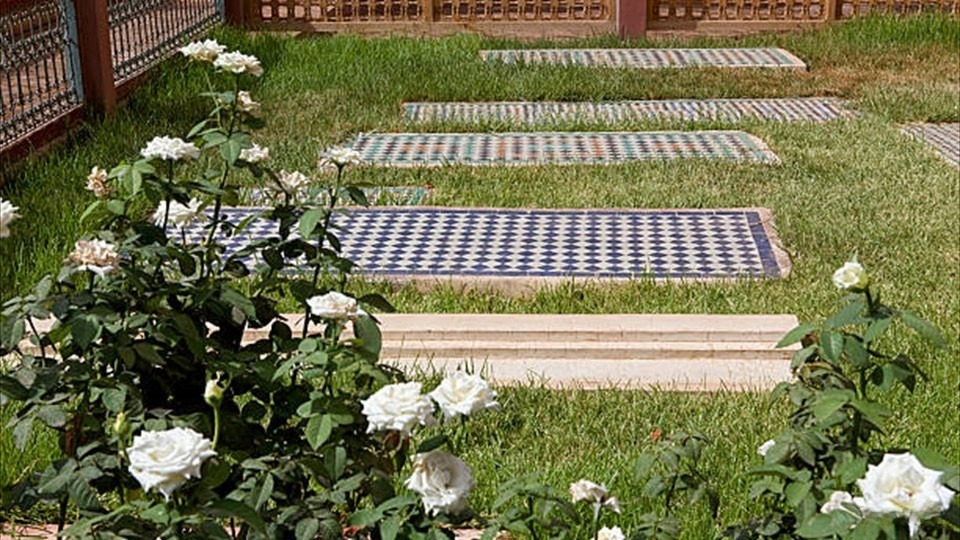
<point x="943" y="138"/>
<point x="570" y="148"/>
<point x="651" y="58"/>
<point x="530" y="113"/>
<point x="501" y="244"/>
<point x="376" y="196"/>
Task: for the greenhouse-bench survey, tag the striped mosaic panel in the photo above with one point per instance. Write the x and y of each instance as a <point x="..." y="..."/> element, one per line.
<point x="563" y="148"/>
<point x="501" y="243"/>
<point x="943" y="138"/>
<point x="651" y="58"/>
<point x="532" y="113"/>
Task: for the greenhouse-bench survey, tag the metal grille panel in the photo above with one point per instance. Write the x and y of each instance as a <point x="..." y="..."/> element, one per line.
<point x="38" y="59"/>
<point x="523" y="10"/>
<point x="142" y="32"/>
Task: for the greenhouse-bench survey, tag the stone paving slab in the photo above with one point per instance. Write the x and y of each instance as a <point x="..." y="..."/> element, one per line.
<point x="651" y="58"/>
<point x="532" y="113"/>
<point x="560" y="148"/>
<point x="520" y="250"/>
<point x="943" y="138"/>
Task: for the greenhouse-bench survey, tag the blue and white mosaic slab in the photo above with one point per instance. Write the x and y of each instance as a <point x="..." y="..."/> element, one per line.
<point x="532" y="113"/>
<point x="561" y="148"/>
<point x="651" y="58"/>
<point x="376" y="196"/>
<point x="502" y="244"/>
<point x="943" y="138"/>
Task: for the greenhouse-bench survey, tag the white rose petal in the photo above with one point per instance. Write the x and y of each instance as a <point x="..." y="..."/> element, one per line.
<point x="335" y="306"/>
<point x="246" y="103"/>
<point x="585" y="490"/>
<point x="398" y="407"/>
<point x="172" y="148"/>
<point x="610" y="534"/>
<point x="98" y="183"/>
<point x="442" y="480"/>
<point x="460" y="394"/>
<point x="204" y="51"/>
<point x="340" y="157"/>
<point x="179" y="214"/>
<point x="837" y="501"/>
<point x="8" y="213"/>
<point x="901" y="485"/>
<point x="765" y="447"/>
<point x="97" y="256"/>
<point x="851" y="276"/>
<point x="164" y="460"/>
<point x="255" y="154"/>
<point x="237" y="62"/>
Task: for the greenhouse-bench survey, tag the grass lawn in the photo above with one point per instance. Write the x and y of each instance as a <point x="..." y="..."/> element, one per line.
<point x="857" y="186"/>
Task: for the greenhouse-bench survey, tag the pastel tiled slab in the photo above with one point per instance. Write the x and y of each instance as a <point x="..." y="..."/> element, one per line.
<point x="765" y="57"/>
<point x="942" y="138"/>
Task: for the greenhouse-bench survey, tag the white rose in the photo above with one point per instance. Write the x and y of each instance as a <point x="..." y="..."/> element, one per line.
<point x="765" y="447"/>
<point x="246" y="103"/>
<point x="398" y="407"/>
<point x="8" y="213"/>
<point x="204" y="51"/>
<point x="179" y="214"/>
<point x="462" y="394"/>
<point x="851" y="276"/>
<point x="442" y="480"/>
<point x="340" y="157"/>
<point x="172" y="148"/>
<point x="237" y="62"/>
<point x="255" y="154"/>
<point x="901" y="485"/>
<point x="837" y="501"/>
<point x="335" y="306"/>
<point x="585" y="490"/>
<point x="98" y="183"/>
<point x="293" y="182"/>
<point x="610" y="534"/>
<point x="164" y="460"/>
<point x="97" y="256"/>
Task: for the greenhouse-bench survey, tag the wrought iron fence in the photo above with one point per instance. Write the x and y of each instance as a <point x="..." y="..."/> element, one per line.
<point x="39" y="67"/>
<point x="142" y="32"/>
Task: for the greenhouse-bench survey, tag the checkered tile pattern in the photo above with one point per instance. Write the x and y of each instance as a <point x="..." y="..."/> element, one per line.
<point x="497" y="243"/>
<point x="376" y="196"/>
<point x="944" y="138"/>
<point x="531" y="113"/>
<point x="438" y="149"/>
<point x="651" y="58"/>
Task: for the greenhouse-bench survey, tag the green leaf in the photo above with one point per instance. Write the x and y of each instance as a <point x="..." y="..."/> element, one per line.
<point x="335" y="460"/>
<point x="83" y="495"/>
<point x="849" y="470"/>
<point x="796" y="492"/>
<point x="377" y="301"/>
<point x="215" y="472"/>
<point x="156" y="514"/>
<point x="800" y="357"/>
<point x="831" y="343"/>
<point x="924" y="328"/>
<point x="114" y="398"/>
<point x="266" y="492"/>
<point x="390" y="527"/>
<point x="368" y="331"/>
<point x="366" y="517"/>
<point x="214" y="138"/>
<point x="856" y="352"/>
<point x="21" y="433"/>
<point x="307" y="529"/>
<point x="52" y="415"/>
<point x="84" y="331"/>
<point x="230" y="508"/>
<point x="829" y="402"/>
<point x="238" y="300"/>
<point x="309" y="221"/>
<point x="876" y="328"/>
<point x="432" y="444"/>
<point x="796" y="335"/>
<point x="849" y="314"/>
<point x="822" y="525"/>
<point x="318" y="430"/>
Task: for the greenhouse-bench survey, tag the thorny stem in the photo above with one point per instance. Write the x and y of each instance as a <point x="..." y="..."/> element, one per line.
<point x="332" y="193"/>
<point x="218" y="202"/>
<point x="33" y="328"/>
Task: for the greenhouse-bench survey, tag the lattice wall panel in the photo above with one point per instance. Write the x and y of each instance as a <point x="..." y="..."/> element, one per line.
<point x="342" y="10"/>
<point x="522" y="10"/>
<point x="737" y="10"/>
<point x="849" y="9"/>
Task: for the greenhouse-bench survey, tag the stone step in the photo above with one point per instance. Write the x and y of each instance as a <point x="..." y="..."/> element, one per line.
<point x="557" y="148"/>
<point x="545" y="112"/>
<point x="670" y="351"/>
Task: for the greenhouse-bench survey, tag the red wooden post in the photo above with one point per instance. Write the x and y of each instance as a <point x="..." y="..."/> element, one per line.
<point x="96" y="57"/>
<point x="234" y="12"/>
<point x="632" y="18"/>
